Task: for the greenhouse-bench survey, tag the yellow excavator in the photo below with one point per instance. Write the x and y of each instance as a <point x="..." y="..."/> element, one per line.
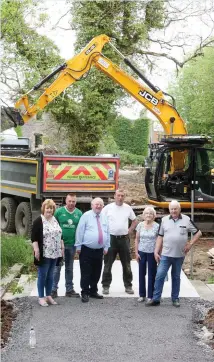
<point x="180" y="166"/>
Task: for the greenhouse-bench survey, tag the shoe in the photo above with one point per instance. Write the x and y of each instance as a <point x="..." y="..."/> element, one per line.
<point x="96" y="296"/>
<point x="152" y="303"/>
<point x="71" y="294"/>
<point x="42" y="302"/>
<point x="176" y="303"/>
<point x="50" y="301"/>
<point x="105" y="290"/>
<point x="85" y="298"/>
<point x="129" y="290"/>
<point x="54" y="294"/>
<point x="141" y="299"/>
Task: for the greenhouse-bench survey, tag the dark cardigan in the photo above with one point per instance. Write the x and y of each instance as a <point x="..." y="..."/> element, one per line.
<point x="37" y="235"/>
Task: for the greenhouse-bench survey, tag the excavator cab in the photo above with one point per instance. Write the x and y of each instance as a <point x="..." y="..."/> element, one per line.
<point x="166" y="179"/>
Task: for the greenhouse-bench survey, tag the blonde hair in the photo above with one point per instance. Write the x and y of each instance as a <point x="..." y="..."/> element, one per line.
<point x="149" y="208"/>
<point x="48" y="203"/>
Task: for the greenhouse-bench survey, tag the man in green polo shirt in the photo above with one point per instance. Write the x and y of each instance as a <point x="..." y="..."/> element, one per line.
<point x="68" y="218"/>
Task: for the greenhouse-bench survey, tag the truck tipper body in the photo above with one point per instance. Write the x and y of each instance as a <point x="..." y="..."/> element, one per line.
<point x="27" y="181"/>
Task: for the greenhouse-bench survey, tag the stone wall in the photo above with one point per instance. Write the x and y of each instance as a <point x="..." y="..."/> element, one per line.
<point x="53" y="135"/>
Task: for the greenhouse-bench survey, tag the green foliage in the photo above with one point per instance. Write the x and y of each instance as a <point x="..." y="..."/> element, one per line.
<point x="210" y="280"/>
<point x="14" y="249"/>
<point x="127" y="158"/>
<point x="28" y="56"/>
<point x="88" y="108"/>
<point x="140" y="136"/>
<point x="194" y="91"/>
<point x="132" y="136"/>
<point x="108" y="144"/>
<point x="15" y="288"/>
<point x="18" y="130"/>
<point x="126" y="21"/>
<point x="121" y="131"/>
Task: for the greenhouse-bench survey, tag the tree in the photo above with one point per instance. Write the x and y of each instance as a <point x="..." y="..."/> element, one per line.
<point x="132" y="136"/>
<point x="98" y="95"/>
<point x="27" y="55"/>
<point x="194" y="91"/>
<point x="140" y="136"/>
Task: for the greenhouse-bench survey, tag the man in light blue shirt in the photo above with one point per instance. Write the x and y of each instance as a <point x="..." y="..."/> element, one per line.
<point x="92" y="242"/>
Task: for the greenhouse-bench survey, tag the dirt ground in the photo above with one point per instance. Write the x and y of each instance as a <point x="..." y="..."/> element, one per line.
<point x="8" y="314"/>
<point x="202" y="267"/>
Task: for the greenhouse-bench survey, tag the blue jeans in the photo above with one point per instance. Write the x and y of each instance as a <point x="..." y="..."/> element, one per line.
<point x="45" y="277"/>
<point x="152" y="269"/>
<point x="163" y="267"/>
<point x="70" y="251"/>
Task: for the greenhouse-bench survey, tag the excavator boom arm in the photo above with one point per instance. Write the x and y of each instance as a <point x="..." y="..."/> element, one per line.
<point x="78" y="66"/>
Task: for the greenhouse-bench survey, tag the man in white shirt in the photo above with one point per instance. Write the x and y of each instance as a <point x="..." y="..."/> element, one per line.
<point x="118" y="214"/>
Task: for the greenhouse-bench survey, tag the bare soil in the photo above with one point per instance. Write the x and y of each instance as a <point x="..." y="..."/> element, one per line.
<point x="202" y="267"/>
<point x="8" y="314"/>
<point x="209" y="323"/>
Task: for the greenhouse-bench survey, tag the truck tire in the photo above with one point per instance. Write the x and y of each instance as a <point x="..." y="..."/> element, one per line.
<point x="8" y="210"/>
<point x="23" y="219"/>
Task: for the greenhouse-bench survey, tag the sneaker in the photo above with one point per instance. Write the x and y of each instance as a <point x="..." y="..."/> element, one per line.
<point x="176" y="303"/>
<point x="71" y="294"/>
<point x="105" y="290"/>
<point x="141" y="299"/>
<point x="54" y="294"/>
<point x="85" y="298"/>
<point x="152" y="303"/>
<point x="129" y="290"/>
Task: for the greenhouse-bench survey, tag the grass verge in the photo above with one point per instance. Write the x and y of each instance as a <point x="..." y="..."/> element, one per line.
<point x="210" y="280"/>
<point x="15" y="249"/>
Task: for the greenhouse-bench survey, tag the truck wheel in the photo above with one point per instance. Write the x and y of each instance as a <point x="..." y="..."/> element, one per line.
<point x="23" y="219"/>
<point x="8" y="210"/>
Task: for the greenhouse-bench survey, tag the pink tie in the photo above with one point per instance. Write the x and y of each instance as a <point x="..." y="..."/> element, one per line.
<point x="100" y="233"/>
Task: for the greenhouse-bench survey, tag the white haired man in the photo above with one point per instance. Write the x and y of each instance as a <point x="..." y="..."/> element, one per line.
<point x="172" y="243"/>
<point x="92" y="242"/>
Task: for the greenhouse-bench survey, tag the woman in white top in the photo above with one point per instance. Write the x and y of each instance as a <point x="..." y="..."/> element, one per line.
<point x="48" y="247"/>
<point x="147" y="232"/>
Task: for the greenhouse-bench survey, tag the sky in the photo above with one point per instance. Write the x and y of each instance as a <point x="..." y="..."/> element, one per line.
<point x="165" y="69"/>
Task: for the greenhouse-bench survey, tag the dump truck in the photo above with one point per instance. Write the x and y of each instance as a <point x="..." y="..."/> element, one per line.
<point x="27" y="180"/>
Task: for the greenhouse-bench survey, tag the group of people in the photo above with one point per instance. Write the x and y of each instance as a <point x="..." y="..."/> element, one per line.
<point x="103" y="233"/>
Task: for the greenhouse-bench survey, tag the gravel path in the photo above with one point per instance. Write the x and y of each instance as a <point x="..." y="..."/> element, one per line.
<point x="112" y="330"/>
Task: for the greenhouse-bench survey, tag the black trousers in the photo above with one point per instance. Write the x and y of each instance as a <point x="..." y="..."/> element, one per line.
<point x="90" y="267"/>
<point x="119" y="246"/>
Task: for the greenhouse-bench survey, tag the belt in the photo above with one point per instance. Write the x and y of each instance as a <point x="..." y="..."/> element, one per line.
<point x="119" y="236"/>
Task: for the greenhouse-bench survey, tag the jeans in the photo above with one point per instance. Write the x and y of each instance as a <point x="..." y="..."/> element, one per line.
<point x="163" y="267"/>
<point x="91" y="261"/>
<point x="147" y="258"/>
<point x="70" y="251"/>
<point x="119" y="246"/>
<point x="45" y="277"/>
